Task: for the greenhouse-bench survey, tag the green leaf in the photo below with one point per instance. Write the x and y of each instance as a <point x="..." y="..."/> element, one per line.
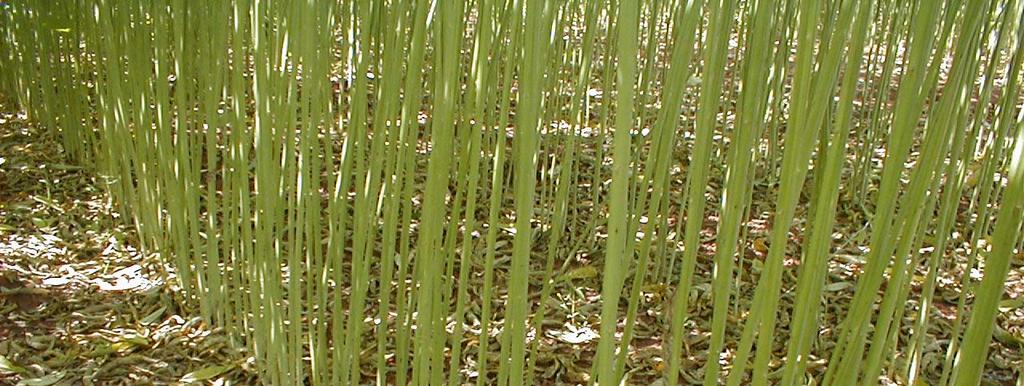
<point x="129" y="343"/>
<point x="205" y="373"/>
<point x="45" y="380"/>
<point x="1007" y="305"/>
<point x="6" y="366"/>
<point x="838" y="286"/>
<point x="153" y="317"/>
<point x="586" y="272"/>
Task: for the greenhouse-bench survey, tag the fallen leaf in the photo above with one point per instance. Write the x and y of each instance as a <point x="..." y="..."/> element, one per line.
<point x="760" y="245"/>
<point x="574" y="335"/>
<point x="55" y="281"/>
